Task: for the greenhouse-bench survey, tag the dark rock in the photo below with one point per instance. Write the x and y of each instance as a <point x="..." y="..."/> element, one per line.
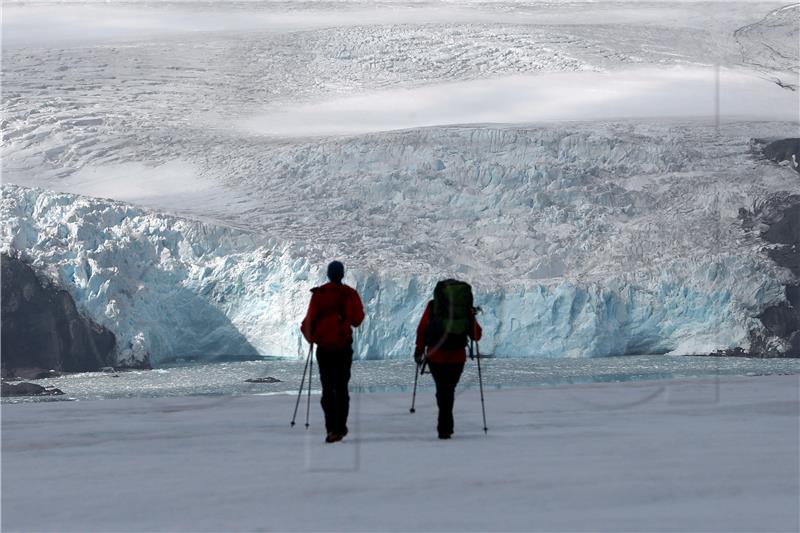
<point x="784" y="150"/>
<point x="794" y="345"/>
<point x="42" y="328"/>
<point x="267" y="379"/>
<point x="787" y="257"/>
<point x="732" y="352"/>
<point x="780" y="320"/>
<point x="780" y="213"/>
<point x="782" y="216"/>
<point x="785" y="230"/>
<point x="783" y="319"/>
<point x="793" y="295"/>
<point x="27" y="389"/>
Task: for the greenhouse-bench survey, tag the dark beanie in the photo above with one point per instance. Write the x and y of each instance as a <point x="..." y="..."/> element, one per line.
<point x="335" y="271"/>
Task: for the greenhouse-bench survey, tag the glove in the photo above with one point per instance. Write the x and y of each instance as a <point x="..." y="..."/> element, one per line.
<point x="418" y="356"/>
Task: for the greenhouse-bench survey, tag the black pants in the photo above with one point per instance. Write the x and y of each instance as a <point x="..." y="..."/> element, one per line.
<point x="334" y="373"/>
<point x="446" y="376"/>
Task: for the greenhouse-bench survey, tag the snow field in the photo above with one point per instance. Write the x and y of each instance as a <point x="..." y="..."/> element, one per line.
<point x="693" y="455"/>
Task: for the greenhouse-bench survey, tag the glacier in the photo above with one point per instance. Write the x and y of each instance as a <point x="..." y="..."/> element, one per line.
<point x="648" y="267"/>
<point x="130" y="177"/>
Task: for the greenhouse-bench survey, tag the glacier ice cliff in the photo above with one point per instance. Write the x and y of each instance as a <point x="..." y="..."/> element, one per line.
<point x="170" y="287"/>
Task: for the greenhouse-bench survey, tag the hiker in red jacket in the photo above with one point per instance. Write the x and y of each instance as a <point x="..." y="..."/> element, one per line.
<point x="334" y="310"/>
<point x="446" y="352"/>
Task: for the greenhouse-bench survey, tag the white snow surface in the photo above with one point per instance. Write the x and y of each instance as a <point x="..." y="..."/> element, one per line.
<point x="693" y="455"/>
<point x="650" y="93"/>
<point x="582" y="238"/>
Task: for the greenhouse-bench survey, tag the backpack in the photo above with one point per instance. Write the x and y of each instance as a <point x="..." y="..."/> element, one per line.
<point x="452" y="315"/>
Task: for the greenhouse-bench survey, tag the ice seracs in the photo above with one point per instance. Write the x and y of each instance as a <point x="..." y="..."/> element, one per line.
<point x="581" y="241"/>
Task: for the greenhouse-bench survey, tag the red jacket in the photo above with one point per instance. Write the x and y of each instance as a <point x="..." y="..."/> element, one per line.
<point x="333" y="311"/>
<point x="441" y="355"/>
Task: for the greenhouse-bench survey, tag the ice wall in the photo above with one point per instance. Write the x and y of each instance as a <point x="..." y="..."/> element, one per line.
<point x="170" y="287"/>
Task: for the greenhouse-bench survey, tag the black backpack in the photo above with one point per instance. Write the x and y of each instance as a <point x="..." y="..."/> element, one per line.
<point x="452" y="315"/>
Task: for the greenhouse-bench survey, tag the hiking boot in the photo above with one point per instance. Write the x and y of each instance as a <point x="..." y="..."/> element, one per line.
<point x="333" y="437"/>
<point x="445" y="435"/>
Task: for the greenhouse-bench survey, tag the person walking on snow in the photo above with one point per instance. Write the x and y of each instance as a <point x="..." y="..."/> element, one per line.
<point x="447" y="323"/>
<point x="334" y="310"/>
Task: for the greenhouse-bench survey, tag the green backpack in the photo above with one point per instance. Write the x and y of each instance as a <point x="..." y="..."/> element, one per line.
<point x="452" y="315"/>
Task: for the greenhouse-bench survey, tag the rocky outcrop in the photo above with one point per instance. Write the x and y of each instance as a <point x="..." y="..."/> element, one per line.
<point x="783" y="320"/>
<point x="784" y="234"/>
<point x="42" y="329"/>
<point x="268" y="379"/>
<point x="27" y="389"/>
<point x="781" y="151"/>
<point x="779" y="220"/>
<point x="784" y="150"/>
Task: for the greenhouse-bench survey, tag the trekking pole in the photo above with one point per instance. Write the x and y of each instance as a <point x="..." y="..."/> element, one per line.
<point x="414" y="395"/>
<point x="310" y="375"/>
<point x="480" y="381"/>
<point x="302" y="382"/>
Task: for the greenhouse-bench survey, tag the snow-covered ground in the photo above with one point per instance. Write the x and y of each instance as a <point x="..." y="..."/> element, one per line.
<point x="600" y="217"/>
<point x="693" y="455"/>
